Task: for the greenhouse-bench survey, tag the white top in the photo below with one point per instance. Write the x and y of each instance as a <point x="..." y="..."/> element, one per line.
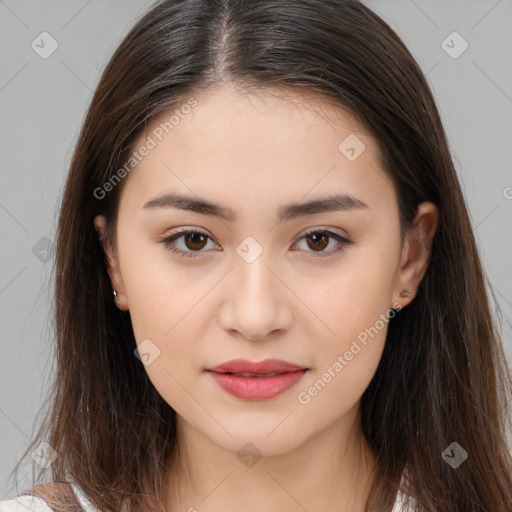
<point x="36" y="504"/>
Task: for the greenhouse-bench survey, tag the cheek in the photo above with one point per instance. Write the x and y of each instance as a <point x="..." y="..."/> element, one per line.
<point x="351" y="297"/>
<point x="161" y="295"/>
<point x="167" y="307"/>
<point x="353" y="316"/>
<point x="345" y="364"/>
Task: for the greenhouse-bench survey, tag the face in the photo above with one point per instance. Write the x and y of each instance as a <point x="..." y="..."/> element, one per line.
<point x="261" y="277"/>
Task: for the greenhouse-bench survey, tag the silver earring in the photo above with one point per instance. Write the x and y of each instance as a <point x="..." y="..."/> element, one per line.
<point x="116" y="298"/>
<point x="405" y="293"/>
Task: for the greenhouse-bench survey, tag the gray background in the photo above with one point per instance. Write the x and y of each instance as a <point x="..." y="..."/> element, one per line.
<point x="43" y="103"/>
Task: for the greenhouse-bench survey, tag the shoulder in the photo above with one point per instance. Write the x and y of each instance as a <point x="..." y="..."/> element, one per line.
<point x="24" y="504"/>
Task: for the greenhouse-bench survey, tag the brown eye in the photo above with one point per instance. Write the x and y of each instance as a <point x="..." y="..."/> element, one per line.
<point x="194" y="241"/>
<point x="319" y="240"/>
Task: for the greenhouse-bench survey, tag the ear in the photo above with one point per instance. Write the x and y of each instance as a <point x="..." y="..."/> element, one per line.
<point x="416" y="252"/>
<point x="112" y="264"/>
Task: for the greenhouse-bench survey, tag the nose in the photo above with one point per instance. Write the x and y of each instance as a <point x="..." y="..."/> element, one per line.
<point x="256" y="305"/>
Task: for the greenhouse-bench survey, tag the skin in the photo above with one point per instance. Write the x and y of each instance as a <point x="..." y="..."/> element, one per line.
<point x="290" y="303"/>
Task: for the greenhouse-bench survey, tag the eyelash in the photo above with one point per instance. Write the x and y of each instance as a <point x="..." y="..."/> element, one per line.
<point x="169" y="242"/>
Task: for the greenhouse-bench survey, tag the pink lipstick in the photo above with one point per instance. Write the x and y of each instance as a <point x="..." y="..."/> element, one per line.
<point x="255" y="381"/>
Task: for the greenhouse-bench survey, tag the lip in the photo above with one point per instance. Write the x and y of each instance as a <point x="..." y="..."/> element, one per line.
<point x="265" y="366"/>
<point x="255" y="388"/>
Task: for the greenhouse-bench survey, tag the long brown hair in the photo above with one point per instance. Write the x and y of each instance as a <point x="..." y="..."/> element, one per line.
<point x="443" y="376"/>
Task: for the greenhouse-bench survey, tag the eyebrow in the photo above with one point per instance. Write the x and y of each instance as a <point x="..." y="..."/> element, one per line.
<point x="344" y="202"/>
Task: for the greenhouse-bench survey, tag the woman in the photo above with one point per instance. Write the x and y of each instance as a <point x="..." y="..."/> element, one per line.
<point x="268" y="292"/>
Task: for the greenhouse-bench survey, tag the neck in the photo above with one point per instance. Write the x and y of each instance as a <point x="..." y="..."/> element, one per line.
<point x="333" y="470"/>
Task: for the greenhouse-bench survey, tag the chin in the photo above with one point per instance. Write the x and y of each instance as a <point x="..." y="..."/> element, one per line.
<point x="256" y="441"/>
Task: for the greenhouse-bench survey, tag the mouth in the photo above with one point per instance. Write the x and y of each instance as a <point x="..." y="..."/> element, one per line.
<point x="256" y="381"/>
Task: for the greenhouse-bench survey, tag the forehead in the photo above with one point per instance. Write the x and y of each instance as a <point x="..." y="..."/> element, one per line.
<point x="272" y="146"/>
